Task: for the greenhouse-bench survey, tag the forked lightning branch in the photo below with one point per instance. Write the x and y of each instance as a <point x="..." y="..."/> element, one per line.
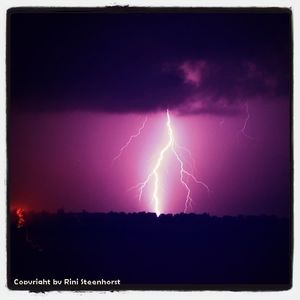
<point x="155" y="174"/>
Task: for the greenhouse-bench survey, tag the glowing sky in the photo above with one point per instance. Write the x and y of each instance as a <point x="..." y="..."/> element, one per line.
<point x="82" y="84"/>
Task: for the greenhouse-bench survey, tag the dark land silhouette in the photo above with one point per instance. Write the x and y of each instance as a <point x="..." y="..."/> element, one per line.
<point x="185" y="251"/>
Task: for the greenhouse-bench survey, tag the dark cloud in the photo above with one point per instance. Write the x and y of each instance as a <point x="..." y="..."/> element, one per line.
<point x="220" y="87"/>
<point x="194" y="62"/>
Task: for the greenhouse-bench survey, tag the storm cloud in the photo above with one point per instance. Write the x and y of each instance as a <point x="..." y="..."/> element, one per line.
<point x="200" y="62"/>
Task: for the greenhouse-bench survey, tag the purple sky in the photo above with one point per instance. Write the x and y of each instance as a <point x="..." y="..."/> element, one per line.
<point x="65" y="160"/>
<point x="81" y="85"/>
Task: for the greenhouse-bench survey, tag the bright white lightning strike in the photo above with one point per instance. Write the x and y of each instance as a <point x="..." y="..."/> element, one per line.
<point x="184" y="174"/>
<point x="129" y="141"/>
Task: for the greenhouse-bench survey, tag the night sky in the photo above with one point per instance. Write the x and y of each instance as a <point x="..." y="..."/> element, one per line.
<point x="80" y="84"/>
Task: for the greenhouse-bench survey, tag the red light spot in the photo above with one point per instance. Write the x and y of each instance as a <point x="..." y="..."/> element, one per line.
<point x="20" y="215"/>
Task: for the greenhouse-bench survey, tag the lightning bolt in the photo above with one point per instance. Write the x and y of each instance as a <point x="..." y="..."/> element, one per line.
<point x="154" y="174"/>
<point x="191" y="162"/>
<point x="242" y="131"/>
<point x="129" y="141"/>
